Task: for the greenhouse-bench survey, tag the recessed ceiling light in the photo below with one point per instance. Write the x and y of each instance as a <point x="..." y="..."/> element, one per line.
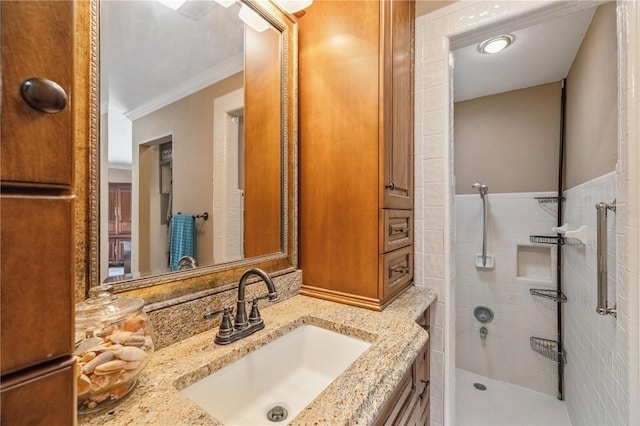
<point x="495" y="44"/>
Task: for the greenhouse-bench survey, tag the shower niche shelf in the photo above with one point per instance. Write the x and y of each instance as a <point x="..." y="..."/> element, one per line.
<point x="546" y="239"/>
<point x="548" y="200"/>
<point x="548" y="348"/>
<point x="554" y="295"/>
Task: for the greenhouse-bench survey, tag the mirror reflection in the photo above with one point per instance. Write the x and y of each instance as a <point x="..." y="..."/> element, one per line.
<point x="191" y="137"/>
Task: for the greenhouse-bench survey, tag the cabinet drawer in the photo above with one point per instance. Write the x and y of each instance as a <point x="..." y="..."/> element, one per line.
<point x="423" y="385"/>
<point x="396" y="271"/>
<point x="37" y="270"/>
<point x="40" y="396"/>
<point x="397" y="408"/>
<point x="396" y="229"/>
<point x="425" y="420"/>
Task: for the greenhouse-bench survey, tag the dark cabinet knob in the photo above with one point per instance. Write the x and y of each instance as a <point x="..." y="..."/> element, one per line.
<point x="44" y="95"/>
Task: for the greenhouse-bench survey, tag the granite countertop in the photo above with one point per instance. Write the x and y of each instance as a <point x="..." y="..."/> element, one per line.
<point x="355" y="397"/>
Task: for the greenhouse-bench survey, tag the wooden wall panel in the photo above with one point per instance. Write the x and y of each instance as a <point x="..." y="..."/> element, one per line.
<point x="263" y="143"/>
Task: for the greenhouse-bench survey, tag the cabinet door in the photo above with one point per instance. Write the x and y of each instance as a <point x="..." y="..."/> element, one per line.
<point x="42" y="396"/>
<point x="113" y="210"/>
<point x="119" y="209"/>
<point x="124" y="209"/>
<point x="398" y="103"/>
<point x="37" y="41"/>
<point x="37" y="264"/>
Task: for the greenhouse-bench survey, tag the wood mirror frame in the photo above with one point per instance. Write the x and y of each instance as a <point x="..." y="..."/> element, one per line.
<point x="163" y="287"/>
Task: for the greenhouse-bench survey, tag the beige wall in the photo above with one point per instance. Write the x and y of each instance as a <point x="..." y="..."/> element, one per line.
<point x="119" y="175"/>
<point x="190" y="122"/>
<point x="508" y="141"/>
<point x="592" y="103"/>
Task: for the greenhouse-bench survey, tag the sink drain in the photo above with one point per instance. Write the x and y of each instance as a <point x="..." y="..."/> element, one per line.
<point x="479" y="386"/>
<point x="277" y="414"/>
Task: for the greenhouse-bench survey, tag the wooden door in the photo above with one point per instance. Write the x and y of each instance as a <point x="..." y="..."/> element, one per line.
<point x="124" y="209"/>
<point x="119" y="209"/>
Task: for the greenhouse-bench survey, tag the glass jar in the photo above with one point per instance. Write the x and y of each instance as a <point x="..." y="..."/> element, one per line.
<point x="114" y="342"/>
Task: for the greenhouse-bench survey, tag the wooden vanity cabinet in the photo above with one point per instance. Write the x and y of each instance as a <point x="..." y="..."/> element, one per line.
<point x="41" y="197"/>
<point x="356" y="150"/>
<point x="409" y="403"/>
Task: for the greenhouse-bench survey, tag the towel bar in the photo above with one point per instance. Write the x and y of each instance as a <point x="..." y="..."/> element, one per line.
<point x="204" y="215"/>
<point x="602" y="307"/>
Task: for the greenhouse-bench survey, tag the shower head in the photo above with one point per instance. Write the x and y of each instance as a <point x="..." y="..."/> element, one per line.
<point x="482" y="188"/>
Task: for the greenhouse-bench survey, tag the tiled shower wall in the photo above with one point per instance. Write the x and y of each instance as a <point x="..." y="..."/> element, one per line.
<point x="434" y="200"/>
<point x="594" y="343"/>
<point x="505" y="353"/>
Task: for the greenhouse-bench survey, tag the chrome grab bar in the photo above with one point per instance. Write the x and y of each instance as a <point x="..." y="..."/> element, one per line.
<point x="602" y="209"/>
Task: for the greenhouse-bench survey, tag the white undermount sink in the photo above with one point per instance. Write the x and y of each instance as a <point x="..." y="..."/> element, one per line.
<point x="290" y="372"/>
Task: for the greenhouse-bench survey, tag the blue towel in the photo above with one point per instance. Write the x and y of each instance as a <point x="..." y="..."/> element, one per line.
<point x="183" y="238"/>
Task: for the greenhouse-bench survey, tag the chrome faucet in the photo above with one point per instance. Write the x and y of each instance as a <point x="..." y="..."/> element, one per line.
<point x="243" y="326"/>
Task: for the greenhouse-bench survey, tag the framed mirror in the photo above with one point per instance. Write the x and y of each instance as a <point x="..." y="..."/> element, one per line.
<point x="194" y="162"/>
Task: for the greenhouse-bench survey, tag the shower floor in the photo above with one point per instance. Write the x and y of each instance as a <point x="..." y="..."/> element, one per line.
<point x="504" y="404"/>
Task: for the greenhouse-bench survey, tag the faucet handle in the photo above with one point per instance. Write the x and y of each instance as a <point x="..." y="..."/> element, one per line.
<point x="254" y="316"/>
<point x="213" y="314"/>
<point x="226" y="327"/>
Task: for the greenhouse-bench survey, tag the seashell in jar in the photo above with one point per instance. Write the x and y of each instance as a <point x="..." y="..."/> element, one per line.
<point x="100" y="359"/>
<point x="100" y="382"/>
<point x="127" y="375"/>
<point x="110" y="367"/>
<point x="121" y="337"/>
<point x="88" y="344"/>
<point x="84" y="384"/>
<point x="120" y="391"/>
<point x="132" y="365"/>
<point x="105" y="346"/>
<point x="134" y="323"/>
<point x="99" y="397"/>
<point x="87" y="356"/>
<point x="138" y="340"/>
<point x="105" y="331"/>
<point x="148" y="343"/>
<point x="130" y="353"/>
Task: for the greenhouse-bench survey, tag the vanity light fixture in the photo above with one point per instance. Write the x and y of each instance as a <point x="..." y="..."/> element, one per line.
<point x="496" y="44"/>
<point x="251" y="18"/>
<point x="293" y="6"/>
<point x="173" y="4"/>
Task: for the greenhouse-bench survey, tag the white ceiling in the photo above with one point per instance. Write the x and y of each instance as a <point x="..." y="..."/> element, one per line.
<point x="148" y="49"/>
<point x="151" y="55"/>
<point x="541" y="53"/>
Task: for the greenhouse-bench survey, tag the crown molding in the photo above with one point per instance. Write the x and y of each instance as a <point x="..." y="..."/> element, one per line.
<point x="206" y="78"/>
